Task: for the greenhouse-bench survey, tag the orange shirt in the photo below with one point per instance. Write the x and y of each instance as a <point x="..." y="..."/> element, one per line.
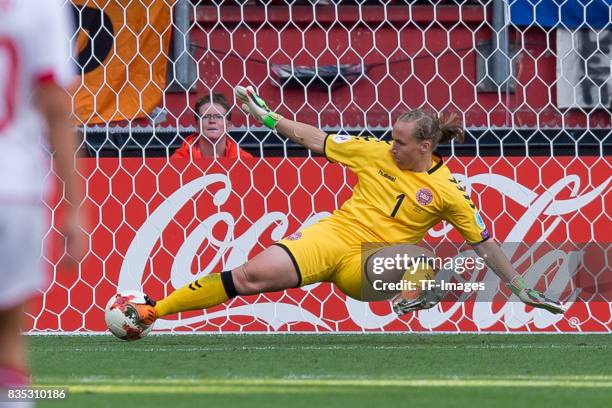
<point x="189" y="149"/>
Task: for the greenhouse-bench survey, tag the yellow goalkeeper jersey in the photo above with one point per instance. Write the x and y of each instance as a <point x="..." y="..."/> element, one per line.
<point x="393" y="205"/>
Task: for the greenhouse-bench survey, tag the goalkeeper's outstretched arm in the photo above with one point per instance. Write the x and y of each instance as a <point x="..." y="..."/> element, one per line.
<point x="495" y="259"/>
<point x="306" y="135"/>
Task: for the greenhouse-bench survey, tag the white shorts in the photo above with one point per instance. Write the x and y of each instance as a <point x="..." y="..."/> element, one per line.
<point x="21" y="243"/>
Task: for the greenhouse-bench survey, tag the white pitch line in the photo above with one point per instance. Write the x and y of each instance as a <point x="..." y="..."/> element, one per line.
<point x="175" y="386"/>
<point x="363" y="347"/>
<point x="304" y="379"/>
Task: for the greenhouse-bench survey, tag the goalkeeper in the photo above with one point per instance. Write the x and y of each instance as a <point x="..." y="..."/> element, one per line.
<point x="403" y="190"/>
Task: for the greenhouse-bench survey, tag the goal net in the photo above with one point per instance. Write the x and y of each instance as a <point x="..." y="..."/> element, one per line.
<point x="533" y="91"/>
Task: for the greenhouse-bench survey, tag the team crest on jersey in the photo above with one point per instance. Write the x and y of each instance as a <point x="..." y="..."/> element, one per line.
<point x="341" y="138"/>
<point x="295" y="236"/>
<point x="424" y="196"/>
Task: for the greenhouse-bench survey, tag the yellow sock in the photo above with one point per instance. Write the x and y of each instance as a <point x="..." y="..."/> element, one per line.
<point x="201" y="294"/>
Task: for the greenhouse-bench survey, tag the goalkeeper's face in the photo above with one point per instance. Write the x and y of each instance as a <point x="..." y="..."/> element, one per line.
<point x="213" y="121"/>
<point x="407" y="151"/>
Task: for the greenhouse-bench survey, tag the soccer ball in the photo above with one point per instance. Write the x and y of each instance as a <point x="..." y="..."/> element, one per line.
<point x="122" y="318"/>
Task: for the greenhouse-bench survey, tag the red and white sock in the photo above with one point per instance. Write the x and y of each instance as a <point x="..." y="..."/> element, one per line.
<point x="12" y="377"/>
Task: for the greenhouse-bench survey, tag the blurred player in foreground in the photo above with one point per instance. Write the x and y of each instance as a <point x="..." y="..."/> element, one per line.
<point x="404" y="189"/>
<point x="34" y="70"/>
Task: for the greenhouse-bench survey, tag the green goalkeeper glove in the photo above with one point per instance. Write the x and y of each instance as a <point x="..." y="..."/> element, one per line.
<point x="534" y="297"/>
<point x="253" y="104"/>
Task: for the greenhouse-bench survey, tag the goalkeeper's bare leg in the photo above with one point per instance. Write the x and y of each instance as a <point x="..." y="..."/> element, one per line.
<point x="270" y="271"/>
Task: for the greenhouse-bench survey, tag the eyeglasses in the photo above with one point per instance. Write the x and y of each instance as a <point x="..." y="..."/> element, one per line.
<point x="215" y="116"/>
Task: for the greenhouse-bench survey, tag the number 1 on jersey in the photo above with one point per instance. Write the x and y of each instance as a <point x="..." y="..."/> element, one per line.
<point x="400" y="198"/>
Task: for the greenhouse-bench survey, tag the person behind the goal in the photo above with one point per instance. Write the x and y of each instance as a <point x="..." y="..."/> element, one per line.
<point x="403" y="190"/>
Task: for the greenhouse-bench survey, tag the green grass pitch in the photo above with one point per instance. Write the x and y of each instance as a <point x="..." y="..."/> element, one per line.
<point x="327" y="370"/>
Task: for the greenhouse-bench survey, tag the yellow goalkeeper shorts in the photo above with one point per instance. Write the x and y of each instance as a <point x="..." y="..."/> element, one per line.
<point x="325" y="252"/>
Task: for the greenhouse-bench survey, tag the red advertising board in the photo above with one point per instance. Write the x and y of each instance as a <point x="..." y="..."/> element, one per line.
<point x="157" y="225"/>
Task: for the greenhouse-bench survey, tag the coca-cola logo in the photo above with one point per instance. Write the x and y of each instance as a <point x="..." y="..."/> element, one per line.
<point x="232" y="252"/>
